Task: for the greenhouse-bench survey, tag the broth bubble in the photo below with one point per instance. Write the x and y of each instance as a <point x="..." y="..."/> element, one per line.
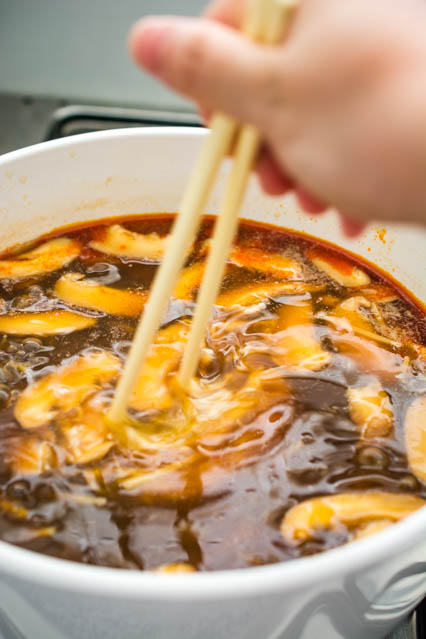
<point x="4" y="395"/>
<point x="111" y="273"/>
<point x="45" y="493"/>
<point x="32" y="345"/>
<point x="38" y="520"/>
<point x="409" y="483"/>
<point x="12" y="347"/>
<point x="18" y="489"/>
<point x="122" y="348"/>
<point x="371" y="457"/>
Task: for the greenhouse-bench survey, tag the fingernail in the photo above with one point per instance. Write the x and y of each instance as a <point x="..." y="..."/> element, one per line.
<point x="147" y="39"/>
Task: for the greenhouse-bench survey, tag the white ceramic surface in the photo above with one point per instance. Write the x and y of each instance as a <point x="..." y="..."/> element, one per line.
<point x="360" y="590"/>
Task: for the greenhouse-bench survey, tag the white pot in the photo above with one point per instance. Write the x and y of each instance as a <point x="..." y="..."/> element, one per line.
<point x="359" y="590"/>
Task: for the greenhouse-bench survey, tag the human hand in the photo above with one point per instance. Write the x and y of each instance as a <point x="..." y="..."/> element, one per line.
<point x="340" y="104"/>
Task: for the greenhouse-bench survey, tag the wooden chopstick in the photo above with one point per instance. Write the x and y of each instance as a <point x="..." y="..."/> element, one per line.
<point x="276" y="19"/>
<point x="245" y="154"/>
<point x="215" y="148"/>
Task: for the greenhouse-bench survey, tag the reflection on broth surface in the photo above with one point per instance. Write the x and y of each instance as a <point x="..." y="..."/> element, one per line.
<point x="304" y="428"/>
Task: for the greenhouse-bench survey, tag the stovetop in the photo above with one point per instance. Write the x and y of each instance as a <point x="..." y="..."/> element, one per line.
<point x="28" y="120"/>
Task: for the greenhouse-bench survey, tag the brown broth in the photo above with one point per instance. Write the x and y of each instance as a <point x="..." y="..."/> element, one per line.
<point x="232" y="474"/>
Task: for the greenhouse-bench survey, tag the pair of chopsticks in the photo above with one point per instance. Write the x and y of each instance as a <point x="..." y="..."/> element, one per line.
<point x="265" y="23"/>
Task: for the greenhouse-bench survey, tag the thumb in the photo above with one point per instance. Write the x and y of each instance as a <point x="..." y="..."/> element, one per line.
<point x="210" y="63"/>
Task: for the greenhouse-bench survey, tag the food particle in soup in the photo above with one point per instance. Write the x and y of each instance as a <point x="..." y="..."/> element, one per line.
<point x="303" y="429"/>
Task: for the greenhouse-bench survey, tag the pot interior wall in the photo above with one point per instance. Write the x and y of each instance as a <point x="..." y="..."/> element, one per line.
<point x="144" y="171"/>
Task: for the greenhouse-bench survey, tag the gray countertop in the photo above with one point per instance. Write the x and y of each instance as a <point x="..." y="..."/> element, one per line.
<point x="76" y="49"/>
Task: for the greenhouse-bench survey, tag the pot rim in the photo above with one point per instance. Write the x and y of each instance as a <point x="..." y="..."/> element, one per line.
<point x="132" y="584"/>
<point x="75" y="140"/>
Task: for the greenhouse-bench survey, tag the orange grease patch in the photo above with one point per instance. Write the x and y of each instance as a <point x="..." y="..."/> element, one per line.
<point x="381" y="235"/>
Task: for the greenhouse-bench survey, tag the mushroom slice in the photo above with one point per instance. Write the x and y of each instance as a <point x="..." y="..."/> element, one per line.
<point x="151" y="391"/>
<point x="48" y="257"/>
<point x="348" y="316"/>
<point x="256" y="292"/>
<point x="179" y="567"/>
<point x="65" y="389"/>
<point x="30" y="455"/>
<point x="295" y="342"/>
<point x="189" y="281"/>
<point x="116" y="240"/>
<point x="337" y="268"/>
<point x="46" y="323"/>
<point x="415" y="437"/>
<point x="380" y="293"/>
<point x="87" y="293"/>
<point x="86" y="438"/>
<point x="270" y="263"/>
<point x="347" y="510"/>
<point x="371" y="410"/>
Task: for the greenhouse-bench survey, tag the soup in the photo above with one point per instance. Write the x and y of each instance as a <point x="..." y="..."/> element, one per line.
<point x="303" y="429"/>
